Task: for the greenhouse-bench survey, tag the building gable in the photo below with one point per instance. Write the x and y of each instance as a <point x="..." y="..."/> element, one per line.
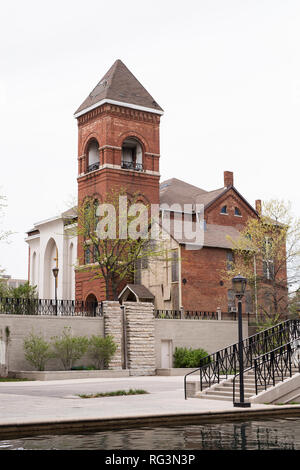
<point x="230" y="209"/>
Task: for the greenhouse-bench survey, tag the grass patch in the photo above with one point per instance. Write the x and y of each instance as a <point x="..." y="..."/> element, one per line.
<point x="117" y="393"/>
<point x="9" y="379"/>
<point x="290" y="403"/>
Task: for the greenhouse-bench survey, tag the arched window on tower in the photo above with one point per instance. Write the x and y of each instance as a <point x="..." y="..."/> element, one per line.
<point x="93" y="162"/>
<point x="132" y="155"/>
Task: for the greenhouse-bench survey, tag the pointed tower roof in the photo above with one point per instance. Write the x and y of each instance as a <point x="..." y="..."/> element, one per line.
<point x="119" y="86"/>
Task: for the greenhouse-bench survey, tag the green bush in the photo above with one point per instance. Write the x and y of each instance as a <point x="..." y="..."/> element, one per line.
<point x="184" y="357"/>
<point x="69" y="348"/>
<point x="37" y="351"/>
<point x="101" y="350"/>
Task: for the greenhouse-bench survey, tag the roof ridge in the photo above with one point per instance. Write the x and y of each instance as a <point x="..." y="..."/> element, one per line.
<point x="119" y="85"/>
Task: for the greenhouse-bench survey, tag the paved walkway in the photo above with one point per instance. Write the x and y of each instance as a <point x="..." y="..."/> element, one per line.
<point x="57" y="402"/>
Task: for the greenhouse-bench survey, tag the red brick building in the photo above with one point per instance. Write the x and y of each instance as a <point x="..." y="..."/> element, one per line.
<point x="118" y="146"/>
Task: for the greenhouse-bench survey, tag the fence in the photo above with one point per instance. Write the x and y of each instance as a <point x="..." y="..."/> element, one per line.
<point x="10" y="306"/>
<point x="194" y="315"/>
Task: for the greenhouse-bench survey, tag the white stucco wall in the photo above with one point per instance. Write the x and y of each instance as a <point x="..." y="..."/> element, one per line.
<point x="52" y="236"/>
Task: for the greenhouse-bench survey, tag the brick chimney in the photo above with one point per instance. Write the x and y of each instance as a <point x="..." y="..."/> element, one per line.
<point x="258" y="206"/>
<point x="228" y="179"/>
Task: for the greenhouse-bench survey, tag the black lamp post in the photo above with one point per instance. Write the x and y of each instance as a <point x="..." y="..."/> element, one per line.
<point x="55" y="274"/>
<point x="239" y="286"/>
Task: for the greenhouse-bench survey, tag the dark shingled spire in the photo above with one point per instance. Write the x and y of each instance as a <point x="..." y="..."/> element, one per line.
<point x="120" y="85"/>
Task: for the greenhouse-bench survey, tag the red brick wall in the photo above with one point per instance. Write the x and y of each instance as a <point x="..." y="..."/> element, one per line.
<point x="110" y="125"/>
<point x="231" y="200"/>
<point x="203" y="268"/>
<point x="202" y="271"/>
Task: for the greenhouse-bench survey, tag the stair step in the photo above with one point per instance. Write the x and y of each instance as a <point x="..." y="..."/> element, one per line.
<point x="230" y="389"/>
<point x="225" y="394"/>
<point x="215" y="397"/>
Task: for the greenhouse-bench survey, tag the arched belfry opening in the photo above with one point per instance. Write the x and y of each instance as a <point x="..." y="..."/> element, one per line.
<point x="132" y="154"/>
<point x="93" y="159"/>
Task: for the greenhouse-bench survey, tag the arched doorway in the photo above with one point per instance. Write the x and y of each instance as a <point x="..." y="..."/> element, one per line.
<point x="91" y="305"/>
<point x="50" y="262"/>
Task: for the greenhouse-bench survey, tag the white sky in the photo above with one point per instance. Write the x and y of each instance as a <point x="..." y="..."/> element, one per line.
<point x="226" y="73"/>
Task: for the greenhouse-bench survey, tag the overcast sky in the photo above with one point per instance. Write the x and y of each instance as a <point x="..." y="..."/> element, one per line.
<point x="226" y="73"/>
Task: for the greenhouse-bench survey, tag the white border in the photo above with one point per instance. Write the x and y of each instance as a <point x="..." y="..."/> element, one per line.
<point x="118" y="103"/>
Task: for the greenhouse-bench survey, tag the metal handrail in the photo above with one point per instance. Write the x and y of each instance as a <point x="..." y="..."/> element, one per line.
<point x="273" y="355"/>
<point x="224" y="362"/>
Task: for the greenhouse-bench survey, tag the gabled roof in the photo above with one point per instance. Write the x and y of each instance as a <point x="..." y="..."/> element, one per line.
<point x="141" y="292"/>
<point x="214" y="236"/>
<point x="175" y="191"/>
<point x="119" y="85"/>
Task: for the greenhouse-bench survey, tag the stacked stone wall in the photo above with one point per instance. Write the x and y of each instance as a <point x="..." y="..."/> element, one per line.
<point x="140" y="338"/>
<point x="113" y="326"/>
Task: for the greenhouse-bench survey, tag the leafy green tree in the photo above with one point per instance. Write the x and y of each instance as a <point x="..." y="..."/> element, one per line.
<point x="102" y="350"/>
<point x="69" y="348"/>
<point x="115" y="238"/>
<point x="37" y="351"/>
<point x="24" y="291"/>
<point x="267" y="253"/>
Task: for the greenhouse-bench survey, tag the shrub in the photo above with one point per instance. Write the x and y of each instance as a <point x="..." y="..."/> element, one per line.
<point x="37" y="351"/>
<point x="69" y="348"/>
<point x="102" y="350"/>
<point x="184" y="357"/>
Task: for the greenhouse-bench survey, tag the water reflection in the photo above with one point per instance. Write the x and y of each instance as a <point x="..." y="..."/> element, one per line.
<point x="283" y="434"/>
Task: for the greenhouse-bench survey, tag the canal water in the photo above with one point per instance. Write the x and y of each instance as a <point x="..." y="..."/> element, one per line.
<point x="267" y="434"/>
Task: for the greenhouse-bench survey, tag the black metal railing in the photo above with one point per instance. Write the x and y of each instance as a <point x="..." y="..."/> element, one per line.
<point x="93" y="167"/>
<point x="193" y="315"/>
<point x="273" y="367"/>
<point x="132" y="166"/>
<point x="197" y="315"/>
<point x="10" y="306"/>
<point x="225" y="362"/>
<point x="168" y="314"/>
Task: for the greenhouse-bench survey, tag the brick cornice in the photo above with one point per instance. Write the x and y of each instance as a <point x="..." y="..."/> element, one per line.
<point x="120" y="111"/>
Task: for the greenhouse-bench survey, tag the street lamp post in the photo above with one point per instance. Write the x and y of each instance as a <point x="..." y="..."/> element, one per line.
<point x="55" y="274"/>
<point x="239" y="285"/>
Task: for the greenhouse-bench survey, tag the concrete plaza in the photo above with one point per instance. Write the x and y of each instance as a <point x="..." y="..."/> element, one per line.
<point x="34" y="406"/>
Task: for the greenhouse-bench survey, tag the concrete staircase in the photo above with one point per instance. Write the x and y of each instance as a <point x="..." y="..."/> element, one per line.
<point x="224" y="389"/>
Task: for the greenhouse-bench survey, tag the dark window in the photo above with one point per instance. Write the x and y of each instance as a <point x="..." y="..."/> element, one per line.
<point x="137" y="272"/>
<point x="93" y="156"/>
<point x="237" y="211"/>
<point x="87" y="256"/>
<point x="224" y="210"/>
<point x="268" y="264"/>
<point x="132" y="155"/>
<point x="231" y="300"/>
<point x="268" y="269"/>
<point x="230" y="260"/>
<point x="249" y="302"/>
<point x="175" y="266"/>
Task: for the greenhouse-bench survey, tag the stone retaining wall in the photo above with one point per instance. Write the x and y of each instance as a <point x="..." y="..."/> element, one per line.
<point x="48" y="326"/>
<point x="139" y="336"/>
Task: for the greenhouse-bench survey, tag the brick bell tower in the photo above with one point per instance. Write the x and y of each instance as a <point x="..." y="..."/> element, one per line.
<point x="118" y="146"/>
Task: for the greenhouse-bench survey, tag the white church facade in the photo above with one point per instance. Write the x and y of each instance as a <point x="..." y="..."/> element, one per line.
<point x="53" y="244"/>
